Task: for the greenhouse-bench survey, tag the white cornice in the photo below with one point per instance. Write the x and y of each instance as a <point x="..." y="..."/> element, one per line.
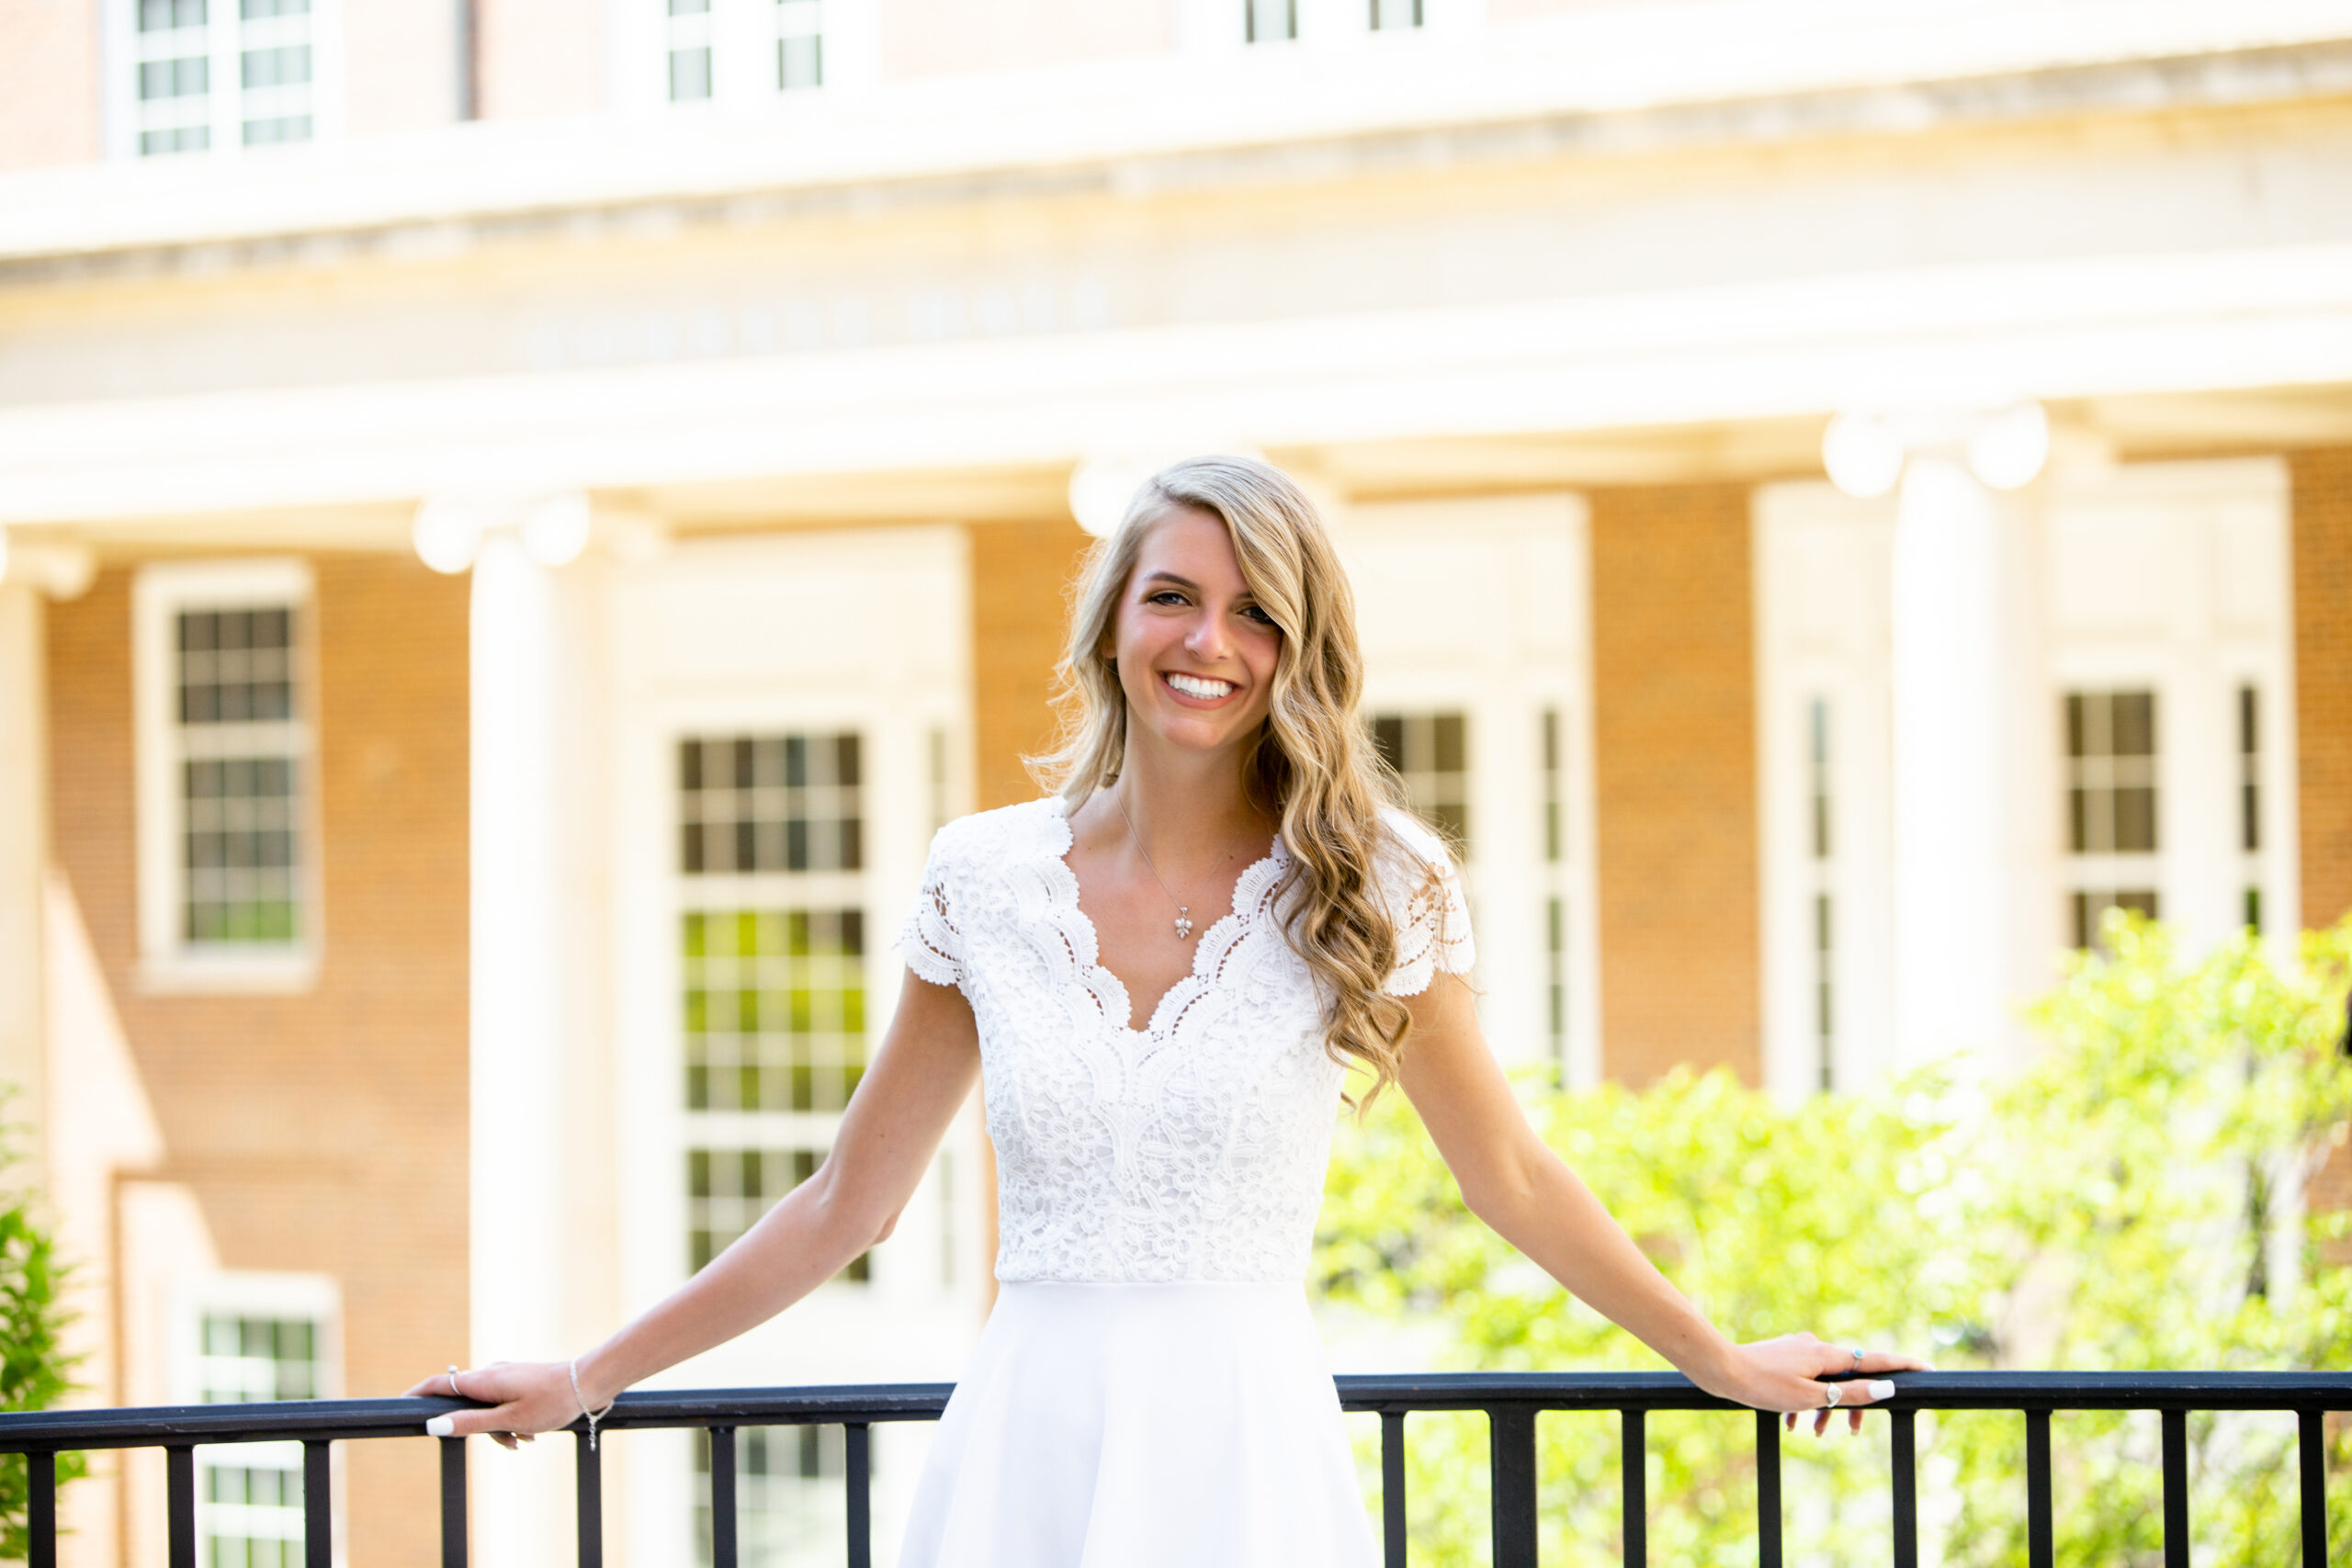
<point x="1978" y="334"/>
<point x="1620" y="60"/>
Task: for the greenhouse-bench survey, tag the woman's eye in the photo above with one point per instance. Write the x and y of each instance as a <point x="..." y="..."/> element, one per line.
<point x="1164" y="596"/>
<point x="1258" y="614"/>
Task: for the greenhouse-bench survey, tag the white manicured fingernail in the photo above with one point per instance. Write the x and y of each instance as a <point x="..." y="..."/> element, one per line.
<point x="441" y="1426"/>
<point x="1882" y="1387"/>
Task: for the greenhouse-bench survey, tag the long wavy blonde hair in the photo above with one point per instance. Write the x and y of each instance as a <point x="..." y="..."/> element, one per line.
<point x="1313" y="768"/>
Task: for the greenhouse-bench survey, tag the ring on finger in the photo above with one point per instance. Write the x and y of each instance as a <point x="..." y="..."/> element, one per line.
<point x="1835" y="1395"/>
<point x="1858" y="1358"/>
<point x="453" y="1389"/>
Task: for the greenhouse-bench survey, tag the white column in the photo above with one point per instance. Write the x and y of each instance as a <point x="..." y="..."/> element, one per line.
<point x="1949" y="839"/>
<point x="521" y="1507"/>
<point x="23" y="838"/>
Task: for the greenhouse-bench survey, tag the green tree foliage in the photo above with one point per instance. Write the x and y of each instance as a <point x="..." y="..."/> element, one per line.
<point x="33" y="1361"/>
<point x="2117" y="1206"/>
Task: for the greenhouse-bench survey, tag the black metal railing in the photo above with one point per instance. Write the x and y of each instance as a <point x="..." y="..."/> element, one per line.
<point x="1511" y="1401"/>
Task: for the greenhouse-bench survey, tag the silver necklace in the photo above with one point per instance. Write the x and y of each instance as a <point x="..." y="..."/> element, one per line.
<point x="1184" y="910"/>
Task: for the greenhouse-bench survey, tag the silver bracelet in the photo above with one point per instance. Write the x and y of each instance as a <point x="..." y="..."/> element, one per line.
<point x="592" y="1416"/>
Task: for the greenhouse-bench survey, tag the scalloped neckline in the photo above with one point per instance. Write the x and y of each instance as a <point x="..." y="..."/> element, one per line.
<point x="1219" y="939"/>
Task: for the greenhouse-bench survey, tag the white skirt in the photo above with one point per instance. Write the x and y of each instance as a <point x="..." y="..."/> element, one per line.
<point x="1142" y="1426"/>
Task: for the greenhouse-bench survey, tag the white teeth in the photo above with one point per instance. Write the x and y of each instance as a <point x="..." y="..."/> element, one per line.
<point x="1194" y="686"/>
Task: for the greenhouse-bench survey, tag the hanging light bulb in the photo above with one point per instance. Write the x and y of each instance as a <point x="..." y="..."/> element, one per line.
<point x="556" y="530"/>
<point x="2008" y="449"/>
<point x="1862" y="454"/>
<point x="445" y="534"/>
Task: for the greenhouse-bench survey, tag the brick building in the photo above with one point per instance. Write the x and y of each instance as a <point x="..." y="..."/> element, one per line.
<point x="521" y="517"/>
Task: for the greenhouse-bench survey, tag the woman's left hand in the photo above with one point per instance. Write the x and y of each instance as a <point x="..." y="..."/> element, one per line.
<point x="1786" y="1374"/>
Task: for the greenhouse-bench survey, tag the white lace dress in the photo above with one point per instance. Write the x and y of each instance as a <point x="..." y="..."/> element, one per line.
<point x="1149" y="1390"/>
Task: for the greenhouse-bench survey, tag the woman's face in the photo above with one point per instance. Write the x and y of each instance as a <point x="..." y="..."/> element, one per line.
<point x="1196" y="654"/>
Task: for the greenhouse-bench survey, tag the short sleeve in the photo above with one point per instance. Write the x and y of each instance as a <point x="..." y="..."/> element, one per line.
<point x="930" y="940"/>
<point x="1425" y="899"/>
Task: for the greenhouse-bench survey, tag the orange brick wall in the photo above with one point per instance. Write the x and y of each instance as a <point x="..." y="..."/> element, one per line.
<point x="49" y="97"/>
<point x="327" y="1131"/>
<point x="1020" y="572"/>
<point x="2323" y="556"/>
<point x="1673" y="743"/>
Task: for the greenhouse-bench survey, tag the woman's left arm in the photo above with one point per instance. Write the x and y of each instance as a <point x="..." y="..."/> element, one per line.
<point x="1534" y="1201"/>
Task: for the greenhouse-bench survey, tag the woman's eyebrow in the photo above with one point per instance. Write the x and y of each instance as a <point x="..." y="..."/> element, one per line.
<point x="1171" y="577"/>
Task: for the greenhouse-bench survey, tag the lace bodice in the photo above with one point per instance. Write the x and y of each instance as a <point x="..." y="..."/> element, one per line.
<point x="1193" y="1147"/>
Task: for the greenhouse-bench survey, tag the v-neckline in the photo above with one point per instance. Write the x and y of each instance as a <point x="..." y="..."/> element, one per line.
<point x="1201" y="972"/>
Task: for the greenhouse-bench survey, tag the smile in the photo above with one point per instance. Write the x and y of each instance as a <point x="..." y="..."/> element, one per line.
<point x="1206" y="688"/>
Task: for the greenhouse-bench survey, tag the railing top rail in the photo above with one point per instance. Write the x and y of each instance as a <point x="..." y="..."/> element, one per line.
<point x="865" y="1403"/>
<point x="1917" y="1391"/>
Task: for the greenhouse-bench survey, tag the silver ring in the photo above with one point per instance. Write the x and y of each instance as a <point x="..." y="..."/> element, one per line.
<point x="453" y="1389"/>
<point x="1836" y="1393"/>
<point x="1858" y="1360"/>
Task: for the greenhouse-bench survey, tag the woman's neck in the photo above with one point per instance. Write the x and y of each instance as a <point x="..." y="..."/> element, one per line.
<point x="1186" y="806"/>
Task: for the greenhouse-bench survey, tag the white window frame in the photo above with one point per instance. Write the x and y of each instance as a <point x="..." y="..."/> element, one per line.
<point x="701" y="647"/>
<point x="169" y="961"/>
<point x="1500" y="645"/>
<point x="224" y="44"/>
<point x="2194" y="663"/>
<point x="316" y="1297"/>
<point x="1800" y="661"/>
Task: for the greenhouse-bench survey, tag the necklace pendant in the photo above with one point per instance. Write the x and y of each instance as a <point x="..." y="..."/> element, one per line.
<point x="1183" y="924"/>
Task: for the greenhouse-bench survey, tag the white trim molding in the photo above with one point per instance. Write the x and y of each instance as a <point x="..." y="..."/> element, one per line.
<point x="168" y="960"/>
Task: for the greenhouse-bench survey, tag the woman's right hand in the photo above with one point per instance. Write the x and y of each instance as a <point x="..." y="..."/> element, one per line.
<point x="515" y="1400"/>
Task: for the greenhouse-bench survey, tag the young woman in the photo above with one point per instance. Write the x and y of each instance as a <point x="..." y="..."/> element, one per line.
<point x="1164" y="973"/>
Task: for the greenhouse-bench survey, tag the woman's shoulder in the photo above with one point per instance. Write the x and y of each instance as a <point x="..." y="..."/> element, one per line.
<point x="1410" y="847"/>
<point x="989" y="836"/>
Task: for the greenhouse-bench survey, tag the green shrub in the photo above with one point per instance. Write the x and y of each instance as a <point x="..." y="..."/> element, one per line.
<point x="33" y="1361"/>
<point x="2103" y="1210"/>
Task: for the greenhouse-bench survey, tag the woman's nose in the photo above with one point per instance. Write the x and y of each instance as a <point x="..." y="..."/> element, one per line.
<point x="1205" y="641"/>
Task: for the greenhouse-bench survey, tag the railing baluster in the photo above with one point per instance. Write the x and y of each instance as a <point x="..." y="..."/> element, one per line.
<point x="2312" y="1452"/>
<point x="722" y="1497"/>
<point x="858" y="1436"/>
<point x="1906" y="1487"/>
<point x="2040" y="1545"/>
<point x="40" y="1509"/>
<point x="453" y="1502"/>
<point x="1635" y="1452"/>
<point x="1767" y="1489"/>
<point x="1392" y="1488"/>
<point x="179" y="1504"/>
<point x="2176" y="1489"/>
<point x="591" y="1492"/>
<point x="1510" y="1457"/>
<point x="318" y="1506"/>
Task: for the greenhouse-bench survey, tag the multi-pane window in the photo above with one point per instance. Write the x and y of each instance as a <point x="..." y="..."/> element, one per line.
<point x="241" y="752"/>
<point x="1394" y="14"/>
<point x="771" y="966"/>
<point x="249" y="1496"/>
<point x="1823" y="944"/>
<point x="228" y="884"/>
<point x="788" y="1495"/>
<point x="2111" y="823"/>
<point x="776" y="1008"/>
<point x="799" y="44"/>
<point x="770" y="803"/>
<point x="709" y="45"/>
<point x="1430" y="753"/>
<point x="215" y="72"/>
<point x="689" y="44"/>
<point x="1556" y="902"/>
<point x="2250" y="804"/>
<point x="1266" y="21"/>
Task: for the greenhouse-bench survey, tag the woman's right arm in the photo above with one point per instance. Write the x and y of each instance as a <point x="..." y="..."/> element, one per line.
<point x="927" y="1064"/>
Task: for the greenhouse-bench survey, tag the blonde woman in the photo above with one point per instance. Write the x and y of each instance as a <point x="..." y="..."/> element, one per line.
<point x="1164" y="972"/>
